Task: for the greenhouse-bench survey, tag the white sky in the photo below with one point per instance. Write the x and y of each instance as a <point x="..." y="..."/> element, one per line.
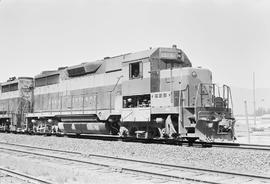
<point x="230" y="37"/>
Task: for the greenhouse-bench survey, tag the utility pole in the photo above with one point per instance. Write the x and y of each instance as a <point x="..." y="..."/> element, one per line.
<point x="246" y="114"/>
<point x="254" y="101"/>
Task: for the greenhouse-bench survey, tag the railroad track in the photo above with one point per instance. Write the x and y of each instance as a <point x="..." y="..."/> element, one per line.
<point x="23" y="177"/>
<point x="242" y="146"/>
<point x="170" y="142"/>
<point x="176" y="142"/>
<point x="123" y="165"/>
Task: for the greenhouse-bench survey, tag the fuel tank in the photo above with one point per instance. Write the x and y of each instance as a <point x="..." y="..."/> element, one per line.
<point x="83" y="124"/>
<point x="84" y="127"/>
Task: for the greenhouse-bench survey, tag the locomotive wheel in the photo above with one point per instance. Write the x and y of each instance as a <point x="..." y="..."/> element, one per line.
<point x="115" y="128"/>
<point x="132" y="131"/>
<point x="153" y="132"/>
<point x="123" y="132"/>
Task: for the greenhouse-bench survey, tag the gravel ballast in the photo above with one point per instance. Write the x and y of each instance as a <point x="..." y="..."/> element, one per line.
<point x="232" y="160"/>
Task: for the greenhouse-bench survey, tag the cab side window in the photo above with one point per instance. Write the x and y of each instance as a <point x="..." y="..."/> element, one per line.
<point x="136" y="101"/>
<point x="135" y="70"/>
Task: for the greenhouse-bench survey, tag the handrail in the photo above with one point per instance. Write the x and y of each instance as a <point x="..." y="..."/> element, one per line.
<point x="180" y="94"/>
<point x="113" y="90"/>
<point x="226" y="92"/>
<point x="229" y="96"/>
<point x="180" y="102"/>
<point x="231" y="100"/>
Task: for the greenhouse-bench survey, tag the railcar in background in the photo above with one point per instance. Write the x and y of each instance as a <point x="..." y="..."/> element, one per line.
<point x="15" y="102"/>
<point x="154" y="93"/>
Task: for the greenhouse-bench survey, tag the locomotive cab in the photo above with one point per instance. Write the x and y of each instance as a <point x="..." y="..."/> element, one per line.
<point x="164" y="96"/>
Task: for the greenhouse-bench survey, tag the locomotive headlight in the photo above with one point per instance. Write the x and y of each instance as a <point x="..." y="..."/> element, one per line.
<point x="33" y="121"/>
<point x="194" y="74"/>
<point x="50" y="120"/>
<point x="210" y="125"/>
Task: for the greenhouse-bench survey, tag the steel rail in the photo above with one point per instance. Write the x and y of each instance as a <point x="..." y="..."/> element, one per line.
<point x="172" y="142"/>
<point x="137" y="161"/>
<point x="260" y="145"/>
<point x="239" y="146"/>
<point x="247" y="147"/>
<point x="179" y="142"/>
<point x="24" y="177"/>
<point x="110" y="166"/>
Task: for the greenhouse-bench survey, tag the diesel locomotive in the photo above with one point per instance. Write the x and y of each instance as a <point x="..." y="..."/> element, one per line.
<point x="149" y="94"/>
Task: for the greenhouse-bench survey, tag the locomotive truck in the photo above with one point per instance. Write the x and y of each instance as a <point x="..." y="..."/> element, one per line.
<point x="154" y="93"/>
